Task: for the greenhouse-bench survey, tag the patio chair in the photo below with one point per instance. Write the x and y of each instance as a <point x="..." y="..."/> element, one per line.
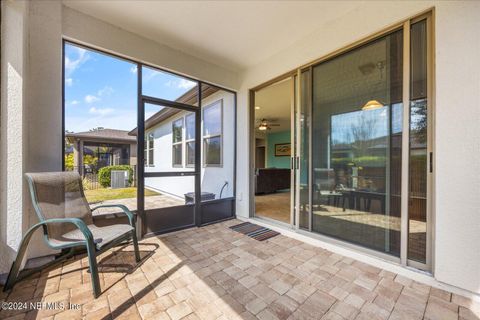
<point x="68" y="223"/>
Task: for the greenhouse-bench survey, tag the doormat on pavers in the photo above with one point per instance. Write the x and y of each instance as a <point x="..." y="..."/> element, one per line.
<point x="254" y="231"/>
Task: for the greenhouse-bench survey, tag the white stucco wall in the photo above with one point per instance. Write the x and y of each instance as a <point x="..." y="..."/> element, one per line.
<point x="212" y="178"/>
<point x="457" y="143"/>
<point x="13" y="80"/>
<point x="457" y="119"/>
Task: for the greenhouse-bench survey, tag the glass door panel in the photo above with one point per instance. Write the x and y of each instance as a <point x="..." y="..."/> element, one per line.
<point x="169" y="167"/>
<point x="303" y="149"/>
<point x="275" y="162"/>
<point x="418" y="152"/>
<point x="365" y="147"/>
<point x="356" y="145"/>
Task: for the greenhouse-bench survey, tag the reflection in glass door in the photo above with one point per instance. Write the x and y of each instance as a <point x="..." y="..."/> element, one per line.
<point x="418" y="145"/>
<point x="356" y="130"/>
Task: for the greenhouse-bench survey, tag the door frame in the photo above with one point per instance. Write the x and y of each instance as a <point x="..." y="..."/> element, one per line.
<point x="197" y="218"/>
<point x="429" y="16"/>
<point x="252" y="149"/>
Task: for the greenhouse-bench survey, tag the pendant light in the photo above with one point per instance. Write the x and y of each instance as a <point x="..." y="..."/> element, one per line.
<point x="373" y="104"/>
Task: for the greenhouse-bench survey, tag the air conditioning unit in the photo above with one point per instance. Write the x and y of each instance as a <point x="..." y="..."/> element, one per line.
<point x="119" y="179"/>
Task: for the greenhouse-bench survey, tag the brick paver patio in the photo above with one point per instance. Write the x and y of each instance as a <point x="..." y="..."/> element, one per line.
<point x="150" y="203"/>
<point x="215" y="273"/>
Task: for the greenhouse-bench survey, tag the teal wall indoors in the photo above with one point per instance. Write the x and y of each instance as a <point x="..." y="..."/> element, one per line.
<point x="272" y="139"/>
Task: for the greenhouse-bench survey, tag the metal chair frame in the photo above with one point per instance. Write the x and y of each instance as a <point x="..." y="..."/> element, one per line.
<point x="92" y="251"/>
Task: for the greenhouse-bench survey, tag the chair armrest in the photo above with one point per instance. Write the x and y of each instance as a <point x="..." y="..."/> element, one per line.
<point x="79" y="223"/>
<point x="131" y="216"/>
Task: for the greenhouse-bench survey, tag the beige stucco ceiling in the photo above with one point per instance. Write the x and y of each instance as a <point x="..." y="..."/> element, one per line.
<point x="232" y="34"/>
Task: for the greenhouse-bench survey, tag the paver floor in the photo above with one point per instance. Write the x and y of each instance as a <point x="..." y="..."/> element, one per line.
<point x="150" y="203"/>
<point x="215" y="273"/>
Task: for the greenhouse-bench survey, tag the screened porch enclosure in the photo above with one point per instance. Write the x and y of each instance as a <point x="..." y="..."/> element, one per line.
<point x="176" y="142"/>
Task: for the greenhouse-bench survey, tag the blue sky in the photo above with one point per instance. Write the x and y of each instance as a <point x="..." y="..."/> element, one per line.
<point x="101" y="91"/>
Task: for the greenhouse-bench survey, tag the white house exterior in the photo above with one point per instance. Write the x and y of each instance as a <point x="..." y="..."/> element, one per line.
<point x="214" y="177"/>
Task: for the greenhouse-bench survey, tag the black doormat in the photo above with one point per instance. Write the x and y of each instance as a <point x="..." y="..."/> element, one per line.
<point x="254" y="231"/>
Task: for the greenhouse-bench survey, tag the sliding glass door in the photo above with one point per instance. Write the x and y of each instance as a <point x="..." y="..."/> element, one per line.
<point x="356" y="129"/>
<point x="364" y="145"/>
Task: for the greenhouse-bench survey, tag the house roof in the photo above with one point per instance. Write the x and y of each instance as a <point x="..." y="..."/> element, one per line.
<point x="189" y="97"/>
<point x="102" y="135"/>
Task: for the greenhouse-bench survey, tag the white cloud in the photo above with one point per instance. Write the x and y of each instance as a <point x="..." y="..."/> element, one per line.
<point x="133" y="69"/>
<point x="72" y="64"/>
<point x="105" y="91"/>
<point x="148" y="74"/>
<point x="69" y="82"/>
<point x="180" y="84"/>
<point x="91" y="98"/>
<point x="73" y="102"/>
<point x="100" y="111"/>
<point x="185" y="84"/>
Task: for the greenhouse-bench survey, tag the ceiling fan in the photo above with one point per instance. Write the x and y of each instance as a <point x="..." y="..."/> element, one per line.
<point x="266" y="125"/>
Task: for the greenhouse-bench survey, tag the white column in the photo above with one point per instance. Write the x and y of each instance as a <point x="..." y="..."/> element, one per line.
<point x="12" y="135"/>
<point x="43" y="113"/>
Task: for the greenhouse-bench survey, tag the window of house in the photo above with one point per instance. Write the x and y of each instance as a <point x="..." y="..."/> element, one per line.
<point x="212" y="134"/>
<point x="148" y="150"/>
<point x="177" y="142"/>
<point x="190" y="139"/>
<point x="149" y="143"/>
<point x="145" y="151"/>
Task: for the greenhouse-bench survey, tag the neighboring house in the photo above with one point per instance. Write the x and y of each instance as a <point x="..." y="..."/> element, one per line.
<point x="108" y="146"/>
<point x="170" y="140"/>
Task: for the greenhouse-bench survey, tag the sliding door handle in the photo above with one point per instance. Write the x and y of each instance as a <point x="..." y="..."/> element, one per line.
<point x="431" y="161"/>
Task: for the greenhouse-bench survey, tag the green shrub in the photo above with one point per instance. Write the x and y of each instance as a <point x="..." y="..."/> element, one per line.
<point x="104" y="174"/>
<point x="69" y="162"/>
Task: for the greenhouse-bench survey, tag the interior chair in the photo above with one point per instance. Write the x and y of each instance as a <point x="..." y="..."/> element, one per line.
<point x="324" y="186"/>
<point x="68" y="223"/>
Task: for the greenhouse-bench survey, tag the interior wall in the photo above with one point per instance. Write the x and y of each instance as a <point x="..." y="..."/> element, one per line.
<point x="273" y="139"/>
<point x="457" y="115"/>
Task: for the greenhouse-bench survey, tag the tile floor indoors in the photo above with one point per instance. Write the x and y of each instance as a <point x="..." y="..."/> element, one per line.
<point x="215" y="273"/>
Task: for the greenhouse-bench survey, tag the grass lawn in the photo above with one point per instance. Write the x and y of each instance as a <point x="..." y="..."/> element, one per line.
<point x="103" y="194"/>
